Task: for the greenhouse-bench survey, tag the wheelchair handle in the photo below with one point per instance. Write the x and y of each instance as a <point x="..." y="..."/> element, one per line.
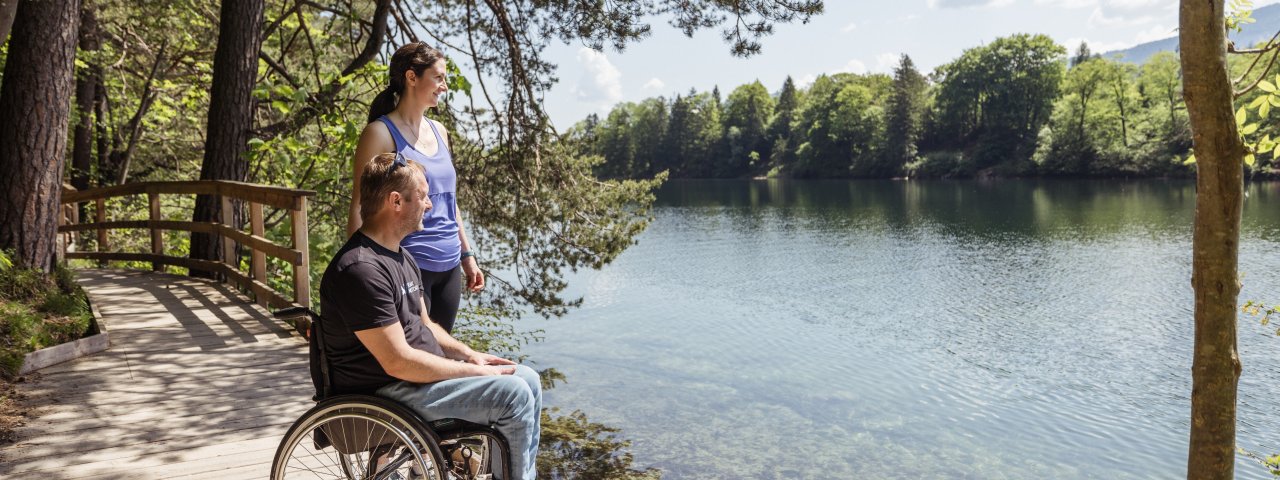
<point x="293" y="312"/>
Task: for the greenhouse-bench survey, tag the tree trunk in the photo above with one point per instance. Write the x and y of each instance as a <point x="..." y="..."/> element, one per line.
<point x="8" y="8"/>
<point x="86" y="97"/>
<point x="35" y="103"/>
<point x="1215" y="365"/>
<point x="235" y="68"/>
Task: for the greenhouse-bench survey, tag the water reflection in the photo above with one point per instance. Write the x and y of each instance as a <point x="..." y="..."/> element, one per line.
<point x="836" y="329"/>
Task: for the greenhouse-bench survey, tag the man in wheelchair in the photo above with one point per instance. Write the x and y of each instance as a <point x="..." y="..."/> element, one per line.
<point x="379" y="341"/>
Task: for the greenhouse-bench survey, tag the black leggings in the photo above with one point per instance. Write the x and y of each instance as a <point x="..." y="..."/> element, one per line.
<point x="442" y="291"/>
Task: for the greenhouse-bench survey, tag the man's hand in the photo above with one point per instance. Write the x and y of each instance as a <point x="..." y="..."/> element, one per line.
<point x="488" y="370"/>
<point x="487" y="359"/>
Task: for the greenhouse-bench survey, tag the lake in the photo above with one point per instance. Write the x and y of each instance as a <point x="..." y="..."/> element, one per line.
<point x="905" y="329"/>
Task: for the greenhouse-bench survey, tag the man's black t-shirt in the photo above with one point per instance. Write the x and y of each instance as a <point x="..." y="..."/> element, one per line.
<point x="368" y="286"/>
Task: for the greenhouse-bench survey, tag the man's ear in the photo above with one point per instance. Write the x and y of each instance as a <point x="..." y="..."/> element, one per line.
<point x="395" y="200"/>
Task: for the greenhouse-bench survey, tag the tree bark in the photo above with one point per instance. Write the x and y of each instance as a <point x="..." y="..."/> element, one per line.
<point x="35" y="106"/>
<point x="1215" y="365"/>
<point x="86" y="97"/>
<point x="235" y="68"/>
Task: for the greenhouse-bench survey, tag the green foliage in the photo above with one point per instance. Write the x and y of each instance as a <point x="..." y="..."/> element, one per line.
<point x="904" y="120"/>
<point x="746" y="115"/>
<point x="1007" y="109"/>
<point x="573" y="447"/>
<point x="38" y="310"/>
<point x="484" y="330"/>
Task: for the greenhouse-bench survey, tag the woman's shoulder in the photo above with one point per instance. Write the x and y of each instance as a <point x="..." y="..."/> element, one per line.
<point x="377" y="130"/>
<point x="439" y="127"/>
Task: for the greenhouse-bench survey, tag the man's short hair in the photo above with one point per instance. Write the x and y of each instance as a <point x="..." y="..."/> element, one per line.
<point x="385" y="173"/>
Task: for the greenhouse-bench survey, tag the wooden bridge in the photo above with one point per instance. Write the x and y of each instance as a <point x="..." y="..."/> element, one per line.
<point x="199" y="380"/>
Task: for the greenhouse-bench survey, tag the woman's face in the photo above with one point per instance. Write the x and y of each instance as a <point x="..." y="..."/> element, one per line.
<point x="430" y="85"/>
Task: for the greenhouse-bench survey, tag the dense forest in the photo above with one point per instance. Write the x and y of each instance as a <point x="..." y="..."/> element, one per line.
<point x="1018" y="106"/>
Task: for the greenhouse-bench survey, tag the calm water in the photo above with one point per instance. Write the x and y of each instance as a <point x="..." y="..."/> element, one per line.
<point x="1013" y="329"/>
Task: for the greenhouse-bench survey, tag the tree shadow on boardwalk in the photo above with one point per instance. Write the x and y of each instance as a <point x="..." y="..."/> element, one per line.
<point x="197" y="382"/>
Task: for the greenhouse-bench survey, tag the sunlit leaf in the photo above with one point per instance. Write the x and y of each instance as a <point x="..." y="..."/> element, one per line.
<point x="1191" y="159"/>
<point x="1241" y="116"/>
<point x="1248" y="159"/>
<point x="1267" y="86"/>
<point x="1249" y="129"/>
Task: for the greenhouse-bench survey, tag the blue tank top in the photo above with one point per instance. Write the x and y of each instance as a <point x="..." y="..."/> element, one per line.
<point x="436" y="247"/>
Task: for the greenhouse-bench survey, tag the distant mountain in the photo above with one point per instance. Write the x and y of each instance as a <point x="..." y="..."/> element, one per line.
<point x="1267" y="24"/>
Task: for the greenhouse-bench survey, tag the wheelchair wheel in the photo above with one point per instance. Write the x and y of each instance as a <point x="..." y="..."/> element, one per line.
<point x="358" y="437"/>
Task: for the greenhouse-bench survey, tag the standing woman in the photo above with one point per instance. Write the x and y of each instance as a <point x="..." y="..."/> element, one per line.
<point x="397" y="124"/>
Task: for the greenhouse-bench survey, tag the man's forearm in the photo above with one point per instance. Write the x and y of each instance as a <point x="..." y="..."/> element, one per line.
<point x="451" y="346"/>
<point x="423" y="367"/>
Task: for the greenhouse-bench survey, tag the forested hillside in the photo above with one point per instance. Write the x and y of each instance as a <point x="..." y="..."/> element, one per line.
<point x="1018" y="106"/>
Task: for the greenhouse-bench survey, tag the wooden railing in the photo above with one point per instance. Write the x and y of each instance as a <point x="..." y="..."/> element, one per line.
<point x="255" y="196"/>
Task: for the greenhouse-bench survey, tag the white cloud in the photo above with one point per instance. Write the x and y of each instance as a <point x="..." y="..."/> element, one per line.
<point x="1099" y="18"/>
<point x="935" y="4"/>
<point x="854" y="66"/>
<point x="806" y="80"/>
<point x="886" y="62"/>
<point x="654" y="83"/>
<point x="1137" y="4"/>
<point x="601" y="82"/>
<point x="1068" y="3"/>
<point x="1096" y="47"/>
<point x="849" y="28"/>
<point x="1156" y="32"/>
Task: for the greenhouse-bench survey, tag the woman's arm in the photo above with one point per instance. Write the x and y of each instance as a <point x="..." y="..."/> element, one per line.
<point x="375" y="139"/>
<point x="470" y="269"/>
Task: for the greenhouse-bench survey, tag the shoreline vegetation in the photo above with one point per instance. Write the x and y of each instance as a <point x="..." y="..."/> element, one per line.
<point x="1018" y="107"/>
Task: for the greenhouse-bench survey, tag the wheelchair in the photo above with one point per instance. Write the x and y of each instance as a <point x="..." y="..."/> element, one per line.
<point x="366" y="437"/>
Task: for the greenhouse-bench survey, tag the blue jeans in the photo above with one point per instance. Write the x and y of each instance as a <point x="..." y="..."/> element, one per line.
<point x="510" y="403"/>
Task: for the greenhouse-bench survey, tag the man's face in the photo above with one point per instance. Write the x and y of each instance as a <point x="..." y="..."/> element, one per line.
<point x="417" y="203"/>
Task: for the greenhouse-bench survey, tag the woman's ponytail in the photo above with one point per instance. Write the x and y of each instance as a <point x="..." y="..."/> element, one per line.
<point x="382" y="104"/>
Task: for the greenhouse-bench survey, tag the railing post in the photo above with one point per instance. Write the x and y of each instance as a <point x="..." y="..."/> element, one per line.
<point x="157" y="235"/>
<point x="100" y="216"/>
<point x="229" y="221"/>
<point x="301" y="272"/>
<point x="258" y="258"/>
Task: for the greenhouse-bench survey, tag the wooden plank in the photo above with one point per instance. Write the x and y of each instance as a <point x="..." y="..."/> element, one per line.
<point x="203" y="227"/>
<point x="257" y="260"/>
<point x="249" y="459"/>
<point x="103" y="257"/>
<point x="274" y="300"/>
<point x="260" y="243"/>
<point x="56" y="354"/>
<point x="157" y="235"/>
<point x="100" y="216"/>
<point x="301" y="243"/>
<point x="278" y="197"/>
<point x="229" y="220"/>
<point x="196" y="383"/>
<point x="163" y="448"/>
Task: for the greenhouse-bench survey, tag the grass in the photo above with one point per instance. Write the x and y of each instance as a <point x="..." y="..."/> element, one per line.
<point x="37" y="310"/>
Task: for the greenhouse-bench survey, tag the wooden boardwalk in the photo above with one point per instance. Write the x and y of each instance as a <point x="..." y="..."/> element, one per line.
<point x="198" y="383"/>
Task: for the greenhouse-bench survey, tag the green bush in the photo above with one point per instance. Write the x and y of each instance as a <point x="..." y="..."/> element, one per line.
<point x="37" y="310"/>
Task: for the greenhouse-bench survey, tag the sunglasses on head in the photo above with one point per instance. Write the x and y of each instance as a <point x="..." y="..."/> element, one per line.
<point x="399" y="162"/>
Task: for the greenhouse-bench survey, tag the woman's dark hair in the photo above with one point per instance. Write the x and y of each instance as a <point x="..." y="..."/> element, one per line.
<point x="417" y="56"/>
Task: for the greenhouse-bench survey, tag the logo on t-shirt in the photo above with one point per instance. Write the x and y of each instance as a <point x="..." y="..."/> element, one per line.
<point x="408" y="287"/>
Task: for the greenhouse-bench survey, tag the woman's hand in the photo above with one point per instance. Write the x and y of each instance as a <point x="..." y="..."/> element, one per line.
<point x="474" y="277"/>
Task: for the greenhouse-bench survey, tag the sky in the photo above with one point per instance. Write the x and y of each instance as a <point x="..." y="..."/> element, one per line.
<point x="850" y="36"/>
